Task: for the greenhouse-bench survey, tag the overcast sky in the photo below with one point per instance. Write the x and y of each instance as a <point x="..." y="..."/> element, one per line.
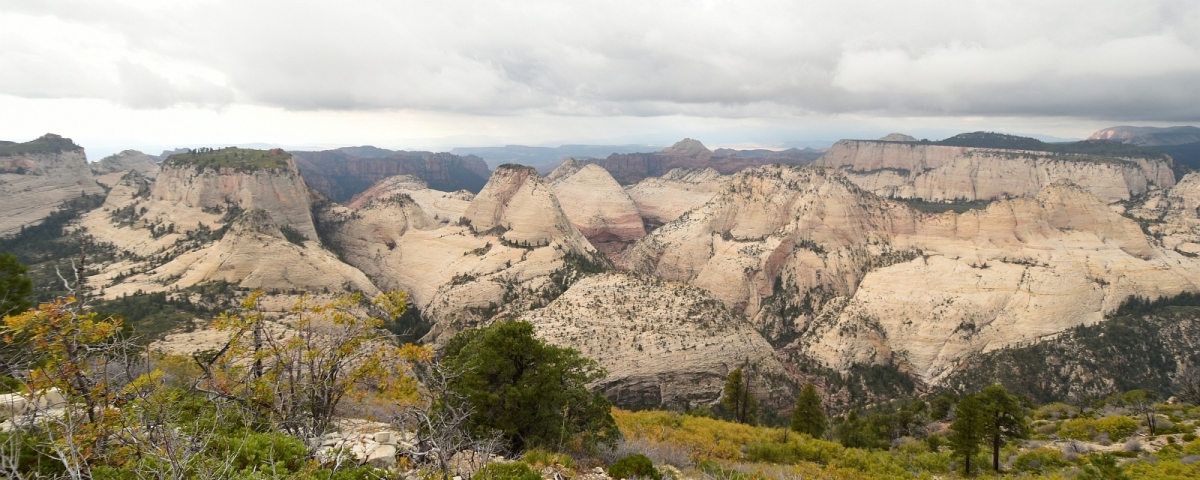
<point x="145" y="74"/>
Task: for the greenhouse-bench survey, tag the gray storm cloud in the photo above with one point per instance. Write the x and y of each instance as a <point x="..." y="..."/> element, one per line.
<point x="1094" y="59"/>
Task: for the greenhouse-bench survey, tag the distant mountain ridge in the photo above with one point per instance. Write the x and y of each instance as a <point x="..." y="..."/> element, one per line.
<point x="1149" y="136"/>
<point x="689" y="153"/>
<point x="1181" y="143"/>
<point x="345" y="172"/>
<point x="547" y="157"/>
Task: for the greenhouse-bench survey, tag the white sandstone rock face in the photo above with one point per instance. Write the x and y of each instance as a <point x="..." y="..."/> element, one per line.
<point x="1173" y="216"/>
<point x="849" y="278"/>
<point x="946" y="173"/>
<point x="279" y="191"/>
<point x="810" y="226"/>
<point x="443" y="207"/>
<point x="662" y="343"/>
<point x="182" y="236"/>
<point x="662" y="199"/>
<point x="597" y="206"/>
<point x="521" y="208"/>
<point x="110" y="169"/>
<point x="462" y="274"/>
<point x="35" y="184"/>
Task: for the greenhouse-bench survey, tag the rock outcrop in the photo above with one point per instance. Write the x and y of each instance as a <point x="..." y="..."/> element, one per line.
<point x="278" y="190"/>
<point x="110" y="169"/>
<point x="444" y="207"/>
<point x="597" y="206"/>
<point x="662" y="199"/>
<point x="664" y="344"/>
<point x="948" y="173"/>
<point x="514" y="249"/>
<point x="36" y="177"/>
<point x="897" y="137"/>
<point x="341" y="174"/>
<point x="827" y="269"/>
<point x="243" y="222"/>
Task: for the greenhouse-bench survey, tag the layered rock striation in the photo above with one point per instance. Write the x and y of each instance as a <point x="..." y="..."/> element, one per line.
<point x="662" y="199"/>
<point x="945" y="173"/>
<point x="277" y="189"/>
<point x="36" y="177"/>
<point x="663" y="344"/>
<point x="513" y="249"/>
<point x="231" y="215"/>
<point x="845" y="277"/>
<point x="597" y="206"/>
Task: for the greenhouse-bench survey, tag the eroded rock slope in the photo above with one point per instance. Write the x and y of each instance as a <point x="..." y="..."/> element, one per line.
<point x="950" y="173"/>
<point x="36" y="177"/>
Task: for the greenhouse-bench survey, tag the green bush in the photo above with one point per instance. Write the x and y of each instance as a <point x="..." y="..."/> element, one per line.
<point x="636" y="465"/>
<point x="253" y="451"/>
<point x="507" y="471"/>
<point x="1117" y="426"/>
<point x="1040" y="460"/>
<point x="1187" y="437"/>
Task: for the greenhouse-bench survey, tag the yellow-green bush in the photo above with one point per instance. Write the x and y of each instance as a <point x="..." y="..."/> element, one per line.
<point x="1116" y="426"/>
<point x="1040" y="460"/>
<point x="1192" y="448"/>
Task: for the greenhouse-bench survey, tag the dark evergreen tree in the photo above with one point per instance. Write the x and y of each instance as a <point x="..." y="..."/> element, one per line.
<point x="809" y="415"/>
<point x="738" y="399"/>
<point x="970" y="426"/>
<point x="15" y="286"/>
<point x="1005" y="419"/>
<point x="535" y="394"/>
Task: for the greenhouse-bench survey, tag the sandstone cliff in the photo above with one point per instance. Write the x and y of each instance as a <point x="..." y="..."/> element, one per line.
<point x="514" y="249"/>
<point x="197" y="223"/>
<point x="444" y="207"/>
<point x="664" y="344"/>
<point x="597" y="206"/>
<point x="340" y="174"/>
<point x="662" y="199"/>
<point x="276" y="189"/>
<point x="846" y="277"/>
<point x="110" y="169"/>
<point x="38" y="176"/>
<point x="949" y="173"/>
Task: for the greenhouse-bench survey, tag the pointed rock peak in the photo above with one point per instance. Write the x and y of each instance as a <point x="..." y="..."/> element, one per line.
<point x="565" y="170"/>
<point x="687" y="146"/>
<point x="898" y="137"/>
<point x="520" y="207"/>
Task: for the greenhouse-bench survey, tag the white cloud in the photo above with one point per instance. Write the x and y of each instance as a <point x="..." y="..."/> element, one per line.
<point x="1099" y="59"/>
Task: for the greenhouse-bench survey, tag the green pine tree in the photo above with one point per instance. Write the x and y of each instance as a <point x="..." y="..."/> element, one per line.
<point x="970" y="426"/>
<point x="1005" y="419"/>
<point x="809" y="415"/>
<point x="738" y="399"/>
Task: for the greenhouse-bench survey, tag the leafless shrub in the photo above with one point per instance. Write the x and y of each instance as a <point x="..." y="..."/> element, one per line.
<point x="1133" y="445"/>
<point x="660" y="453"/>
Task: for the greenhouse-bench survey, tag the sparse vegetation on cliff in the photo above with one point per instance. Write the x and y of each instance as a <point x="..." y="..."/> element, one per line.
<point x="240" y="159"/>
<point x="48" y="143"/>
